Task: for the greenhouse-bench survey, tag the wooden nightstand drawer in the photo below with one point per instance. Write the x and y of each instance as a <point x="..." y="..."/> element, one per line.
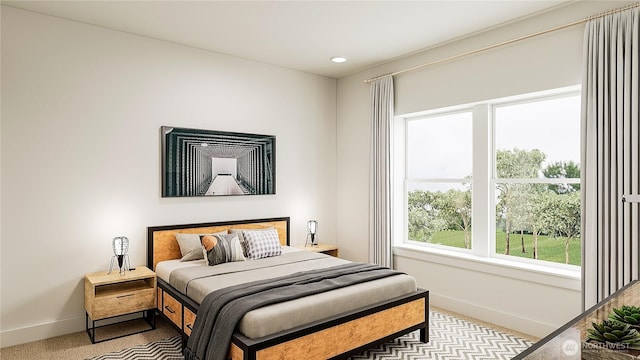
<point x="172" y="309"/>
<point x="189" y="319"/>
<point x="123" y="298"/>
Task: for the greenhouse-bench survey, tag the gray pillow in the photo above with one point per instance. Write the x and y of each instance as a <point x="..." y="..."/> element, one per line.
<point x="190" y="246"/>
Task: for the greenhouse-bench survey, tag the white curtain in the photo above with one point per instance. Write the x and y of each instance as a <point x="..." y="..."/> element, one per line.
<point x="610" y="136"/>
<point x="380" y="169"/>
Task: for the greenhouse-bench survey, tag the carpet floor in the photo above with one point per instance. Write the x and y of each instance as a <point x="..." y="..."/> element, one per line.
<point x="449" y="338"/>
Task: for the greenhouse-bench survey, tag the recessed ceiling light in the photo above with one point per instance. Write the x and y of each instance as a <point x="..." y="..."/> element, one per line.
<point x="338" y="59"/>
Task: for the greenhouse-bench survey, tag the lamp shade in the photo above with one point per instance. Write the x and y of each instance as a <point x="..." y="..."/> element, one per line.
<point x="120" y="245"/>
<point x="313" y="226"/>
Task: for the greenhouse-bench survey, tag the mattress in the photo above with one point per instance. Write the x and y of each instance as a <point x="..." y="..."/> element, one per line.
<point x="195" y="279"/>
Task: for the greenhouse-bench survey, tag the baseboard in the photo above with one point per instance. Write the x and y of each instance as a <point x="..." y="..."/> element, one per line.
<point x="41" y="331"/>
<point x="509" y="321"/>
<point x="52" y="329"/>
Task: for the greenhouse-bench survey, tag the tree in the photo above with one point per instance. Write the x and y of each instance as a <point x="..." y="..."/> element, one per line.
<point x="520" y="199"/>
<point x="563" y="170"/>
<point x="535" y="218"/>
<point x="454" y="208"/>
<point x="430" y="212"/>
<point x="524" y="217"/>
<point x="514" y="164"/>
<point x="560" y="217"/>
<point x="423" y="216"/>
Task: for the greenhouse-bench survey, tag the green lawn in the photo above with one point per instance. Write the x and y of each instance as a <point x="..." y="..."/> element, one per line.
<point x="549" y="249"/>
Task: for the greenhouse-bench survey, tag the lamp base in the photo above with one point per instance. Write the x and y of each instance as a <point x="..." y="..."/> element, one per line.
<point x="123" y="263"/>
<point x="313" y="242"/>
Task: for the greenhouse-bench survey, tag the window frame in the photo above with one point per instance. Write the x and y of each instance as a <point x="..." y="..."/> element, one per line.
<point x="444" y="180"/>
<point x="483" y="182"/>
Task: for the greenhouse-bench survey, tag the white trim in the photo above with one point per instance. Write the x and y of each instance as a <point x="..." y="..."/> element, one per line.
<point x="538" y="181"/>
<point x="437" y="112"/>
<point x="56" y="328"/>
<point x="536" y="96"/>
<point x="41" y="331"/>
<point x="436" y="180"/>
<point x="481" y="192"/>
<point x="541" y="274"/>
<point x="493" y="316"/>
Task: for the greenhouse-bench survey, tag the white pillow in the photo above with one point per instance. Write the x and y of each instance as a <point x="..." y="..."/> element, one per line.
<point x="261" y="244"/>
<point x="190" y="246"/>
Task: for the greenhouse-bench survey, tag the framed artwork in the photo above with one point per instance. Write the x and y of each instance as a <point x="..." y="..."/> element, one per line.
<point x="216" y="163"/>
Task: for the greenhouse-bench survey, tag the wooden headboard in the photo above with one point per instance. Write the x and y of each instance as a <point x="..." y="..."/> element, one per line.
<point x="162" y="244"/>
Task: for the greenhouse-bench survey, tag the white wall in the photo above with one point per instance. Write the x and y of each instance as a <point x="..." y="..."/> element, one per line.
<point x="81" y="113"/>
<point x="538" y="304"/>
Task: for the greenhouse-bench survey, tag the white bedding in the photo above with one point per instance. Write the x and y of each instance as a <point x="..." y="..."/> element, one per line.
<point x="278" y="317"/>
<point x="164" y="268"/>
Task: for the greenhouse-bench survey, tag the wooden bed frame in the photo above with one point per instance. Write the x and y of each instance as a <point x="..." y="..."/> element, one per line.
<point x="333" y="338"/>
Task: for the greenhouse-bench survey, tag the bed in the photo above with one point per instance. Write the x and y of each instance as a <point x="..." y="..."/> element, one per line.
<point x="371" y="313"/>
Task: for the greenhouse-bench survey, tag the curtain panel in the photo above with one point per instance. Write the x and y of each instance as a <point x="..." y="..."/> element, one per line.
<point x="381" y="94"/>
<point x="611" y="153"/>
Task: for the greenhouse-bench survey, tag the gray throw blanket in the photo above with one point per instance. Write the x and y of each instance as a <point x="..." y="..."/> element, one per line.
<point x="221" y="310"/>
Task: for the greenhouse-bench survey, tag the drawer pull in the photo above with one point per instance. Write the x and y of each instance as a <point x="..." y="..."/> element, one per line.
<point x="189" y="327"/>
<point x="123" y="296"/>
<point x="169" y="309"/>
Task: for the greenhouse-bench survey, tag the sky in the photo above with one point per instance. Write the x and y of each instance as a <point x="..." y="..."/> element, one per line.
<point x="442" y="146"/>
<point x="552" y="126"/>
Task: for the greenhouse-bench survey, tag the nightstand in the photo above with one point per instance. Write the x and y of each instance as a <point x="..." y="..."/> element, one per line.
<point x="112" y="295"/>
<point x="321" y="248"/>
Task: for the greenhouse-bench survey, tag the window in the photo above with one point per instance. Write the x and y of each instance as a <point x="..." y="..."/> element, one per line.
<point x="512" y="165"/>
<point x="439" y="159"/>
<point x="537" y="178"/>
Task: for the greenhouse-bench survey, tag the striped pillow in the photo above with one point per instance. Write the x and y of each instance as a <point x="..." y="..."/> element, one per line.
<point x="220" y="249"/>
<point x="262" y="244"/>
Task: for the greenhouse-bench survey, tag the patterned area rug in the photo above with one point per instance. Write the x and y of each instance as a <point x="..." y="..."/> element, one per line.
<point x="165" y="349"/>
<point x="449" y="338"/>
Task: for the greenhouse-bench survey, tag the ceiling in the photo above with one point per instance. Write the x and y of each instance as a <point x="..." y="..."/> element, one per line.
<point x="301" y="35"/>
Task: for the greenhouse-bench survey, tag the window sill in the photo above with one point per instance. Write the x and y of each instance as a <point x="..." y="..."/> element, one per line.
<point x="567" y="279"/>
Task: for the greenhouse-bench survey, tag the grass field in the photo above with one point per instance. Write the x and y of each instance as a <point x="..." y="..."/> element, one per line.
<point x="549" y="249"/>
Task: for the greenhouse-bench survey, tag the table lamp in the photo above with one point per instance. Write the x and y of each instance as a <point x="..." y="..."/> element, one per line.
<point x="120" y="246"/>
<point x="312" y="225"/>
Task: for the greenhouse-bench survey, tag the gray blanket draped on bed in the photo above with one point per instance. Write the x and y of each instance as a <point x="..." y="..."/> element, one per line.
<point x="221" y="310"/>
